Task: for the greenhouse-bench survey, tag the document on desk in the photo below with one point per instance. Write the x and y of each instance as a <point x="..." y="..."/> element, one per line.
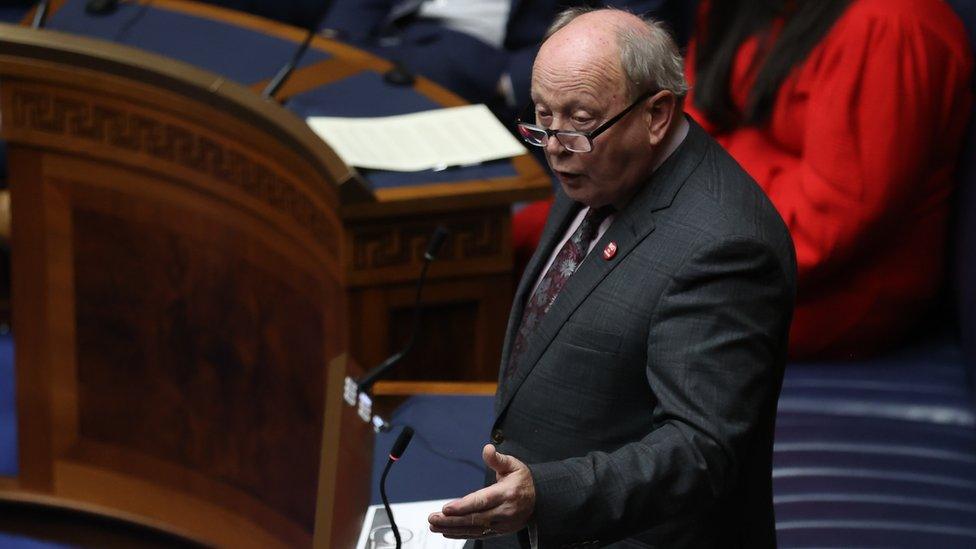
<point x="411" y="520"/>
<point x="436" y="139"/>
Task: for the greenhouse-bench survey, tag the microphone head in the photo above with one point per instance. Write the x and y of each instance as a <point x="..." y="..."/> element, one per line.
<point x="101" y="7"/>
<point x="436" y="242"/>
<point x="401" y="443"/>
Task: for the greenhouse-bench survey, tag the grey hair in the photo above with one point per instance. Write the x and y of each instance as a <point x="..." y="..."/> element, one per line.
<point x="649" y="57"/>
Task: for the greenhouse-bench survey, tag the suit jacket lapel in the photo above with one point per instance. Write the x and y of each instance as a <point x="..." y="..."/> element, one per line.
<point x="630" y="226"/>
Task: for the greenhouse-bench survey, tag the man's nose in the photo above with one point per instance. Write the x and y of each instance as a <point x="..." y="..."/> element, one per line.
<point x="553" y="146"/>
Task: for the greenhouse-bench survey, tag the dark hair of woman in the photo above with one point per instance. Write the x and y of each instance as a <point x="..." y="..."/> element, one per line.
<point x="729" y="23"/>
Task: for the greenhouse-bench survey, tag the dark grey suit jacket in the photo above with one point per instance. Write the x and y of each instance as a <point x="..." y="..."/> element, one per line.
<point x="645" y="401"/>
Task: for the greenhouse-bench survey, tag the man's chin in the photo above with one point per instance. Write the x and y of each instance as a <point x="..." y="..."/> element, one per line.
<point x="579" y="193"/>
<point x="572" y="185"/>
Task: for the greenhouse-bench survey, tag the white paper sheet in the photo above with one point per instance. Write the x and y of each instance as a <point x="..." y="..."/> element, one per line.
<point x="436" y="139"/>
<point x="411" y="519"/>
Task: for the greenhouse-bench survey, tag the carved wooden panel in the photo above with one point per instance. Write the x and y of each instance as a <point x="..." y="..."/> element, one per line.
<point x="135" y="131"/>
<point x="474" y="235"/>
<point x="189" y="354"/>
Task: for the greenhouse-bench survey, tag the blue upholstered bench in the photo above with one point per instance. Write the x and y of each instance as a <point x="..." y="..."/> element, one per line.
<point x="878" y="453"/>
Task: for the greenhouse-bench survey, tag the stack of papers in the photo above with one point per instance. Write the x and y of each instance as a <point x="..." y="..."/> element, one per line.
<point x="428" y="140"/>
<point x="411" y="519"/>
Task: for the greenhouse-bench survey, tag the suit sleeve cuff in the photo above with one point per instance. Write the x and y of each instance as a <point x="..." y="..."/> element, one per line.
<point x="559" y="497"/>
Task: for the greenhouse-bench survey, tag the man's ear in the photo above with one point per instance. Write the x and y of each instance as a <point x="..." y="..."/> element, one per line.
<point x="660" y="112"/>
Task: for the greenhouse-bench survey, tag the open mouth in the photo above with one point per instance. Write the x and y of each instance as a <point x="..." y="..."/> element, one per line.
<point x="567" y="177"/>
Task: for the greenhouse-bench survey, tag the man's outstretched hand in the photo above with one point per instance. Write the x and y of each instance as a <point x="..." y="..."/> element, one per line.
<point x="502" y="508"/>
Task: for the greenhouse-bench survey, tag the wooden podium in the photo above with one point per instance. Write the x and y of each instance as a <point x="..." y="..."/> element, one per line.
<point x="178" y="292"/>
<point x="187" y="259"/>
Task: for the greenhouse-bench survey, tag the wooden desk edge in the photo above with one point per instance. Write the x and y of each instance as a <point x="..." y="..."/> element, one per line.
<point x="408" y="388"/>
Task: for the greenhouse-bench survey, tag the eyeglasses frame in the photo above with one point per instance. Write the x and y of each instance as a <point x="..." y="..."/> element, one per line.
<point x="590" y="135"/>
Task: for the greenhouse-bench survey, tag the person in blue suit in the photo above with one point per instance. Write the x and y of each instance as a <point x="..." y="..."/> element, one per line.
<point x="482" y="50"/>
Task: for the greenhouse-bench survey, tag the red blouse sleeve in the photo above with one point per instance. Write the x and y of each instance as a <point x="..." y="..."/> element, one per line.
<point x="883" y="89"/>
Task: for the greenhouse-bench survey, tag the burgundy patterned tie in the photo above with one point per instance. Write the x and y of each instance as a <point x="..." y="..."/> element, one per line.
<point x="563" y="266"/>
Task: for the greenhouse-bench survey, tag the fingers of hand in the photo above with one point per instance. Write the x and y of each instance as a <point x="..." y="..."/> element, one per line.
<point x="506" y="517"/>
<point x="468" y="517"/>
<point x="475" y="502"/>
<point x="487" y="452"/>
<point x="467" y="526"/>
<point x="477" y="525"/>
<point x="497" y="461"/>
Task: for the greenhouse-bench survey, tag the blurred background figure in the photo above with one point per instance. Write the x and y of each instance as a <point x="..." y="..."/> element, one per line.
<point x="481" y="49"/>
<point x="849" y="114"/>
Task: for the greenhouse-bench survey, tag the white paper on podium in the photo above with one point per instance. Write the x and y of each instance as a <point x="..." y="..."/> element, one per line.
<point x="437" y="139"/>
<point x="411" y="519"/>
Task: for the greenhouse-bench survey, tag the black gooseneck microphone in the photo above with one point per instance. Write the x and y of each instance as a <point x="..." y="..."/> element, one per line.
<point x="284" y="72"/>
<point x="40" y="14"/>
<point x="398" y="448"/>
<point x="433" y="246"/>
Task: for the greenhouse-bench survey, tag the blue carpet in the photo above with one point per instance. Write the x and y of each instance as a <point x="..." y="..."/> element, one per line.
<point x="8" y="417"/>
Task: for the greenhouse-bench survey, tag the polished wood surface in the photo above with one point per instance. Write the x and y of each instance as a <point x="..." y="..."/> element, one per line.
<point x="410" y="388"/>
<point x="178" y="289"/>
<point x="345" y="466"/>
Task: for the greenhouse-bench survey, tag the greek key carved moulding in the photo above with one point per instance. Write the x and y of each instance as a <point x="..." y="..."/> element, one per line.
<point x="475" y="236"/>
<point x="139" y="133"/>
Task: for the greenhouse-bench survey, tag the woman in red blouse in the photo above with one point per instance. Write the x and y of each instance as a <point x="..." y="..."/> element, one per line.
<point x="849" y="114"/>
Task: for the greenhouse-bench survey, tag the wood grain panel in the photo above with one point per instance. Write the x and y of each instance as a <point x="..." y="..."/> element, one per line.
<point x="409" y="388"/>
<point x="178" y="294"/>
<point x="188" y="353"/>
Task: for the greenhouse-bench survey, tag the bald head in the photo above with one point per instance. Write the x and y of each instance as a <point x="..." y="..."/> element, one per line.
<point x="584" y="56"/>
<point x="645" y="51"/>
<point x="589" y="43"/>
<point x="594" y="78"/>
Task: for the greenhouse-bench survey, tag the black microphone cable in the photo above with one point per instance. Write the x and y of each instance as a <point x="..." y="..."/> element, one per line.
<point x="398" y="448"/>
<point x="477" y="466"/>
<point x="436" y="241"/>
<point x="285" y="71"/>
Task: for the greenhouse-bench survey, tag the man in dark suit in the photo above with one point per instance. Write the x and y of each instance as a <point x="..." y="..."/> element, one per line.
<point x="646" y="345"/>
<point x="419" y="34"/>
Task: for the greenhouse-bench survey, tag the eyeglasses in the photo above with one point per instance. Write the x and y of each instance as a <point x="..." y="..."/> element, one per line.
<point x="573" y="141"/>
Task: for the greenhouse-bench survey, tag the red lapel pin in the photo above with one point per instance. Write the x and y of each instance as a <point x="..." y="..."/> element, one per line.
<point x="610" y="251"/>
